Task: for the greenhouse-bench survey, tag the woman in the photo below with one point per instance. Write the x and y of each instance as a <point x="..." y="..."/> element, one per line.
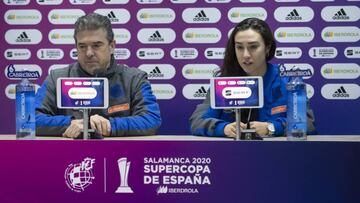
<point x="249" y="48"/>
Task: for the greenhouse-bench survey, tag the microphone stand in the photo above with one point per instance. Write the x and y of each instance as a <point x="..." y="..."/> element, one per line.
<point x="238" y="121"/>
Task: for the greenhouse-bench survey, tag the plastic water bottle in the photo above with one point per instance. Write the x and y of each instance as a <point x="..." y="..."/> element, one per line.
<point x="25" y="110"/>
<point x="296" y="113"/>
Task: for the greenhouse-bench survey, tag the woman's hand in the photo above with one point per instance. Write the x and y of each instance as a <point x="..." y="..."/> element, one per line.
<point x="230" y="129"/>
<point x="260" y="128"/>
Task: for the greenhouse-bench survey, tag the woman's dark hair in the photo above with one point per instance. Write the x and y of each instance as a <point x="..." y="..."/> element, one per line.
<point x="231" y="65"/>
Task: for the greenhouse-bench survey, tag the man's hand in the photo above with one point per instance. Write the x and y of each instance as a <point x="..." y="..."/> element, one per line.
<point x="230" y="129"/>
<point x="100" y="124"/>
<point x="75" y="129"/>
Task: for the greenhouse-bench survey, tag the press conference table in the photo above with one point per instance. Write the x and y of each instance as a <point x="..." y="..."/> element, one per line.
<point x="321" y="138"/>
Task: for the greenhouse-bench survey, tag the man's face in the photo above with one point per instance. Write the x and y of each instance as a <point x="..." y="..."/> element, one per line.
<point x="94" y="50"/>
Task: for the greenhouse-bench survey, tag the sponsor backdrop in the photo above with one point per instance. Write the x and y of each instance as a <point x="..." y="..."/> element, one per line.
<point x="179" y="43"/>
<point x="212" y="171"/>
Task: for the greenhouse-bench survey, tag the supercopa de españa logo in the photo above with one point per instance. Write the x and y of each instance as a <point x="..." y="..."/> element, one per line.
<point x="79" y="176"/>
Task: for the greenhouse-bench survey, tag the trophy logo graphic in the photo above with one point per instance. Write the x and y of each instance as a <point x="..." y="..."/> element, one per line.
<point x="124" y="167"/>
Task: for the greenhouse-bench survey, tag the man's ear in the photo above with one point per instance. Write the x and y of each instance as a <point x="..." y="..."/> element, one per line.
<point x="112" y="46"/>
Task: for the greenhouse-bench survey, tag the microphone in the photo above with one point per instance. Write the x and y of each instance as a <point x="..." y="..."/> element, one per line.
<point x="248" y="133"/>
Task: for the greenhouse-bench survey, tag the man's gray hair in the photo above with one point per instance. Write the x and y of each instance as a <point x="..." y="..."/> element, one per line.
<point x="94" y="21"/>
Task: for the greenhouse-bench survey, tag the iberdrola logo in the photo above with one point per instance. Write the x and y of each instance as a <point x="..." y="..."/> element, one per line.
<point x="328" y="34"/>
<point x="11" y="17"/>
<point x="190" y="35"/>
<point x="55" y="36"/>
<point x="144" y="15"/>
<point x="281" y="34"/>
<point x="235" y="14"/>
<point x="55" y="16"/>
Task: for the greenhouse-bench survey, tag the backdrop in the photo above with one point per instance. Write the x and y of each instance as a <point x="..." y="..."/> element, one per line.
<point x="181" y="42"/>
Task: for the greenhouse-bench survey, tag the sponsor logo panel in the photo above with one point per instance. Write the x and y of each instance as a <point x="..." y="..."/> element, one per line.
<point x="288" y="52"/>
<point x="156" y="36"/>
<point x="149" y="1"/>
<point x="116" y="16"/>
<point x="302" y="69"/>
<point x="199" y="71"/>
<point x="294" y="34"/>
<point x="252" y="1"/>
<point x="115" y="1"/>
<point x="62" y="36"/>
<point x="121" y="35"/>
<point x="340" y="91"/>
<point x="163" y="91"/>
<point x="50" y="54"/>
<point x="16" y="2"/>
<point x="201" y="35"/>
<point x="195" y="91"/>
<point x="217" y="1"/>
<point x="150" y="53"/>
<point x="201" y="15"/>
<point x="19" y="71"/>
<point x="23" y="17"/>
<point x="294" y="14"/>
<point x="183" y="1"/>
<point x="82" y="2"/>
<point x="238" y="14"/>
<point x="73" y="54"/>
<point x="64" y="16"/>
<point x="155" y="15"/>
<point x="56" y="66"/>
<point x="23" y="36"/>
<point x="122" y="53"/>
<point x="17" y="54"/>
<point x="352" y="52"/>
<point x="158" y="71"/>
<point x="214" y="53"/>
<point x="323" y="52"/>
<point x="340" y="70"/>
<point x="49" y="2"/>
<point x="184" y="53"/>
<point x="341" y="34"/>
<point x="340" y="13"/>
<point x="309" y="91"/>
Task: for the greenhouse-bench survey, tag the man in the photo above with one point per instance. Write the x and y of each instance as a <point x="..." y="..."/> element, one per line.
<point x="132" y="106"/>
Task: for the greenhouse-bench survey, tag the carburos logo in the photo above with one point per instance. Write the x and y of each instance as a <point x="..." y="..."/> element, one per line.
<point x="214" y="53"/>
<point x="50" y="54"/>
<point x="122" y="53"/>
<point x="150" y="53"/>
<point x="340" y="13"/>
<point x="116" y="16"/>
<point x="341" y="34"/>
<point x="19" y="71"/>
<point x="158" y="71"/>
<point x="82" y="2"/>
<point x="17" y="54"/>
<point x="115" y="1"/>
<point x="155" y="15"/>
<point x="163" y="91"/>
<point x="340" y="91"/>
<point x="62" y="36"/>
<point x="184" y="53"/>
<point x="23" y="17"/>
<point x="201" y="15"/>
<point x="195" y="91"/>
<point x="64" y="16"/>
<point x="352" y="52"/>
<point x="49" y="2"/>
<point x="201" y="35"/>
<point x="23" y="36"/>
<point x="294" y="34"/>
<point x="304" y="70"/>
<point x="157" y="36"/>
<point x="199" y="71"/>
<point x="238" y="14"/>
<point x="79" y="176"/>
<point x="121" y="35"/>
<point x="288" y="52"/>
<point x="323" y="52"/>
<point x="149" y="1"/>
<point x="294" y="14"/>
<point x="340" y="70"/>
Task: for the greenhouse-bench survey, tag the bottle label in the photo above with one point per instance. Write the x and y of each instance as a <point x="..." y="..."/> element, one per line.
<point x="25" y="111"/>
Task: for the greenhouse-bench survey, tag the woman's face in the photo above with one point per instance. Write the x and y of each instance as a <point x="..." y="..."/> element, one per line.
<point x="251" y="52"/>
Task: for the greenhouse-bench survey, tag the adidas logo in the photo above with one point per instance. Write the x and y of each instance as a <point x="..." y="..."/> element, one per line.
<point x="23" y="38"/>
<point x="293" y="15"/>
<point x="200" y="92"/>
<point x="156" y="73"/>
<point x="340" y="15"/>
<point x="112" y="17"/>
<point x="341" y="92"/>
<point x="201" y="16"/>
<point x="156" y="37"/>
